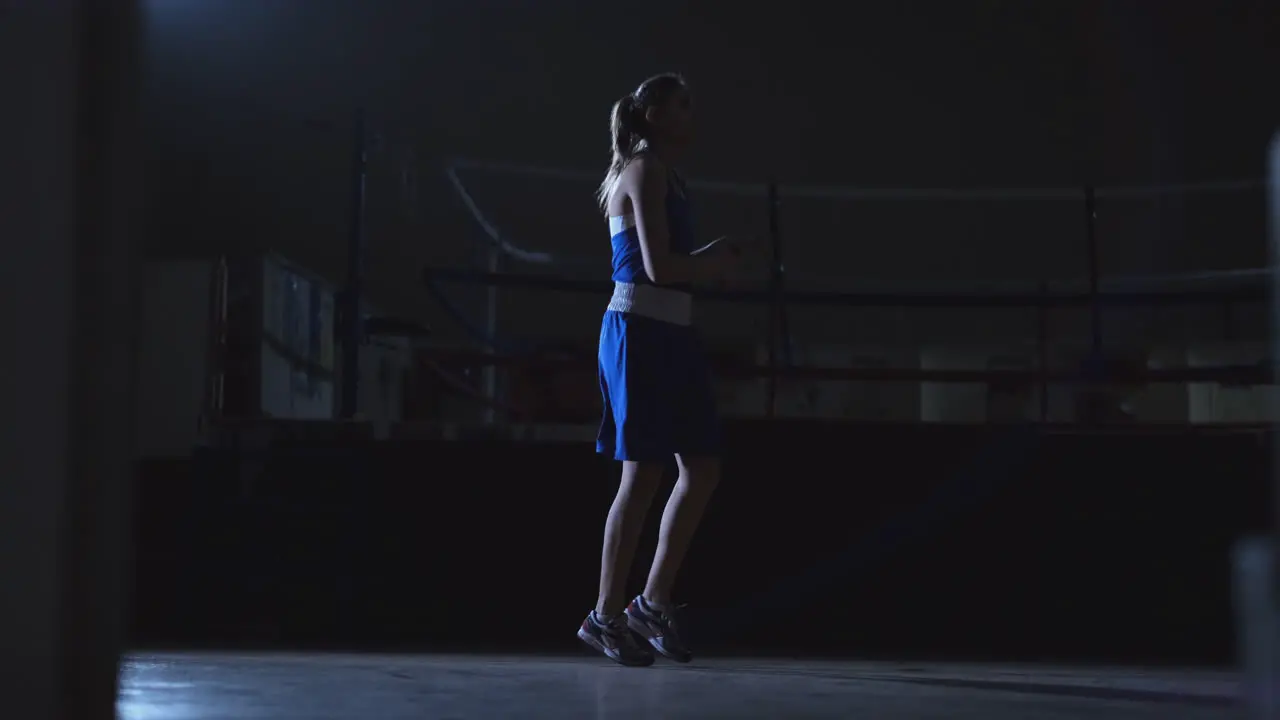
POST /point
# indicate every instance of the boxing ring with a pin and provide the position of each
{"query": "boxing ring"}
(514, 684)
(1092, 296)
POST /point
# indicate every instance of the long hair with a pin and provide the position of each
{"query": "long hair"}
(629, 129)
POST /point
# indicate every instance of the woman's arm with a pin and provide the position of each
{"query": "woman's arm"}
(746, 261)
(646, 181)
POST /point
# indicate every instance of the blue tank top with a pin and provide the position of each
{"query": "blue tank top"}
(628, 261)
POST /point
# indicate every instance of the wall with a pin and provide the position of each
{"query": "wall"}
(173, 356)
(1215, 403)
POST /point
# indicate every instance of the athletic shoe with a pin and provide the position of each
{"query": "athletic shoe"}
(615, 640)
(659, 627)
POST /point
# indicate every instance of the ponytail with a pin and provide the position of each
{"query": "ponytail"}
(624, 142)
(627, 127)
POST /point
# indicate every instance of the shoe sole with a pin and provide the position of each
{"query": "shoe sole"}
(594, 644)
(640, 628)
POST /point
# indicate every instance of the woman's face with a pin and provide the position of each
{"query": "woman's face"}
(674, 118)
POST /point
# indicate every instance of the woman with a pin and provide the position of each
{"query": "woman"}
(659, 400)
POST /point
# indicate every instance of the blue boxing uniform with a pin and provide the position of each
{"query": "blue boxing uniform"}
(658, 394)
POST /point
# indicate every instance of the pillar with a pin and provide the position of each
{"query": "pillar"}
(66, 194)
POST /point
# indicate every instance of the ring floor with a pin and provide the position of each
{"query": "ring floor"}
(209, 686)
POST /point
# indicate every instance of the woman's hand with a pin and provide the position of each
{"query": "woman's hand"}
(747, 260)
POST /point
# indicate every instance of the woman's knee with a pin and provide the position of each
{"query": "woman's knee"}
(699, 471)
(640, 479)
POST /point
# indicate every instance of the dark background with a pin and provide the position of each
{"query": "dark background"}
(976, 542)
(250, 106)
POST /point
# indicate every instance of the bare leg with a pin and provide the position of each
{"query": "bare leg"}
(622, 531)
(698, 479)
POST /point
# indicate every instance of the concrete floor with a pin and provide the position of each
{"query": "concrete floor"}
(194, 686)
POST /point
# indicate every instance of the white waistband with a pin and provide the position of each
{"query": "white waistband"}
(651, 301)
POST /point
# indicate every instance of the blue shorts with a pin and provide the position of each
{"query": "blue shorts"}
(659, 399)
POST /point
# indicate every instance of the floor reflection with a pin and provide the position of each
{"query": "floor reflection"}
(325, 687)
